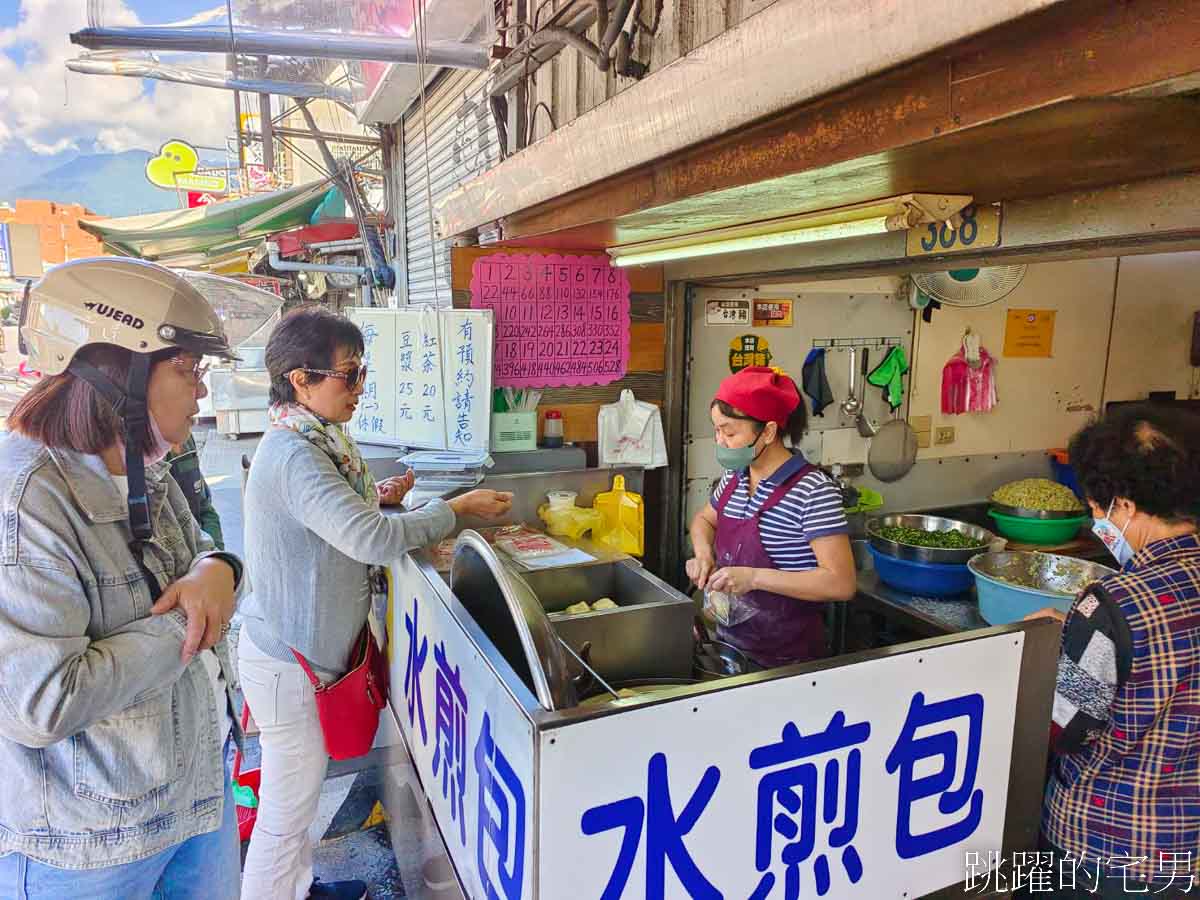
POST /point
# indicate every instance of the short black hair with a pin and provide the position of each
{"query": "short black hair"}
(793, 429)
(67, 413)
(308, 337)
(1146, 453)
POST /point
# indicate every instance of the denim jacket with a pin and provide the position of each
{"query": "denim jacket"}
(110, 747)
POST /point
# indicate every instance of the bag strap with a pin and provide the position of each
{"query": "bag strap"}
(316, 682)
(237, 756)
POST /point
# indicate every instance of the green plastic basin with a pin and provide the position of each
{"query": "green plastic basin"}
(1038, 531)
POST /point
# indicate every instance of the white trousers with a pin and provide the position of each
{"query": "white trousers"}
(279, 861)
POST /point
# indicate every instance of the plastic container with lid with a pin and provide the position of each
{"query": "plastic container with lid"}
(447, 468)
(552, 432)
(564, 518)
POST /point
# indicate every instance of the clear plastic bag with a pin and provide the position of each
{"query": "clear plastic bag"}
(728, 609)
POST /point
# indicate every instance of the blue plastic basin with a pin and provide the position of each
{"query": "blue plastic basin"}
(922, 579)
(1003, 601)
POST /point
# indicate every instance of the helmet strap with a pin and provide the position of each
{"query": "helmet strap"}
(129, 403)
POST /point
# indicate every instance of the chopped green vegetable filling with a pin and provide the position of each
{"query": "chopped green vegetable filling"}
(942, 540)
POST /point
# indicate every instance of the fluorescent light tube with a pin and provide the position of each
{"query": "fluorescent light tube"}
(812, 234)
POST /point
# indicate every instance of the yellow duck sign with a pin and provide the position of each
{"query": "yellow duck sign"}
(175, 169)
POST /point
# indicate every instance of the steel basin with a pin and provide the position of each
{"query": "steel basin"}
(923, 522)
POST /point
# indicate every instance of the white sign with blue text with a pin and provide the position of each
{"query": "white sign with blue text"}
(428, 379)
(471, 744)
(870, 780)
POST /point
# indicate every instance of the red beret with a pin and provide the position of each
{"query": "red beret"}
(763, 393)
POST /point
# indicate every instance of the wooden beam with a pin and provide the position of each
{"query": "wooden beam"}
(1076, 49)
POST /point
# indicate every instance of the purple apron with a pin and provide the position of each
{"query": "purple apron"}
(783, 630)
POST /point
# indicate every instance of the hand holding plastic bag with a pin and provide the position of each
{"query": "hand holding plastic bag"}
(728, 609)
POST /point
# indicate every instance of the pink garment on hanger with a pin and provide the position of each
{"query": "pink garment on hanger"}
(968, 389)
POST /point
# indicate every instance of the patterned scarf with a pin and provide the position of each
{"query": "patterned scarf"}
(333, 441)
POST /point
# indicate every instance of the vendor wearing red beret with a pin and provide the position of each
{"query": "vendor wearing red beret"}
(772, 546)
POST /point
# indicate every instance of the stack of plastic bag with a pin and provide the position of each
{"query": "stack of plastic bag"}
(631, 434)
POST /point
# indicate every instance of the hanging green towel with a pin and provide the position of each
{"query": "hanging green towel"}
(889, 375)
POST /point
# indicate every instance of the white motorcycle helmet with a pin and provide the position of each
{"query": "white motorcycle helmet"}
(128, 303)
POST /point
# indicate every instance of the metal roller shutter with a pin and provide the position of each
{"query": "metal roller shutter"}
(462, 142)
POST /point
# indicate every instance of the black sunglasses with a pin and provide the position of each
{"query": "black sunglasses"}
(354, 376)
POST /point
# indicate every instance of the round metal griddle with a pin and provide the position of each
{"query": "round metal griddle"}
(505, 607)
(893, 451)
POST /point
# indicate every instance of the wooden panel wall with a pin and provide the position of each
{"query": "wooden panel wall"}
(647, 357)
(570, 85)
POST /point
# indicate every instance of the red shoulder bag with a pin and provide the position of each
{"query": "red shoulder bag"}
(349, 707)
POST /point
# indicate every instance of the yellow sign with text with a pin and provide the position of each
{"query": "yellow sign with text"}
(1029, 333)
(175, 169)
(772, 313)
(748, 350)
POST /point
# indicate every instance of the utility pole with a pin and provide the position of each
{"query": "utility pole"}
(266, 126)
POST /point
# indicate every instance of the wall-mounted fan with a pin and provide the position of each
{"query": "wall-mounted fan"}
(970, 287)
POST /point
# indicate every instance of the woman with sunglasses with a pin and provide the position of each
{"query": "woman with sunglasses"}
(314, 531)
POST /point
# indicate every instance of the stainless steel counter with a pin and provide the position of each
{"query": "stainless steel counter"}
(927, 616)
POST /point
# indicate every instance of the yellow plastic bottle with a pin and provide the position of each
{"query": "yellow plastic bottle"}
(623, 514)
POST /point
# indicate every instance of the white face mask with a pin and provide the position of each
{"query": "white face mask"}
(1113, 537)
(157, 452)
(159, 447)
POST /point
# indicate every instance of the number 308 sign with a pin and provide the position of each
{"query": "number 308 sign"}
(978, 226)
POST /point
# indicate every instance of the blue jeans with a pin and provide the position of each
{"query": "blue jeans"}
(205, 867)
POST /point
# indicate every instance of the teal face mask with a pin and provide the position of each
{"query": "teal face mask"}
(735, 459)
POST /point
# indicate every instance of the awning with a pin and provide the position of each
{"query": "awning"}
(294, 242)
(200, 237)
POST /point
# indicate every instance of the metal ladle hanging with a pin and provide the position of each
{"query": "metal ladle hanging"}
(851, 406)
(866, 427)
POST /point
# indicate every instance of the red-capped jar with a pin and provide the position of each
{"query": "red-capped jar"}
(552, 432)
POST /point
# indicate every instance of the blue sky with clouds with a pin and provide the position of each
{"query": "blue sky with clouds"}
(46, 110)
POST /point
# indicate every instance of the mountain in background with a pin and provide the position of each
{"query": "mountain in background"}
(110, 184)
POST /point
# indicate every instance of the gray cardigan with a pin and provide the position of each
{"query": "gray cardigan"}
(309, 541)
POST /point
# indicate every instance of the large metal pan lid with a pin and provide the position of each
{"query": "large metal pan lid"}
(893, 451)
(505, 607)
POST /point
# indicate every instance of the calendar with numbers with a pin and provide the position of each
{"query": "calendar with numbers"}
(559, 320)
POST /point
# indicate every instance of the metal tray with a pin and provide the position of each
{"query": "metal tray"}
(1022, 512)
(939, 555)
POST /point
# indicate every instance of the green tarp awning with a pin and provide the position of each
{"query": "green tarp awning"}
(191, 236)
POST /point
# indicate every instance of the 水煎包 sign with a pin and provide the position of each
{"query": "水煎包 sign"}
(868, 780)
(471, 743)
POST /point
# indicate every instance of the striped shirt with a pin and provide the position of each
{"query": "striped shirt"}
(812, 509)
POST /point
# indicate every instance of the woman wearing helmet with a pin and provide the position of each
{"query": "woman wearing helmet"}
(114, 711)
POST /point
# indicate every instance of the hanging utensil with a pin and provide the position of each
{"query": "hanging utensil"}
(893, 451)
(866, 427)
(851, 405)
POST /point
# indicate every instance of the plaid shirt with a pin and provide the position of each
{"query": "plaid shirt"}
(1127, 792)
